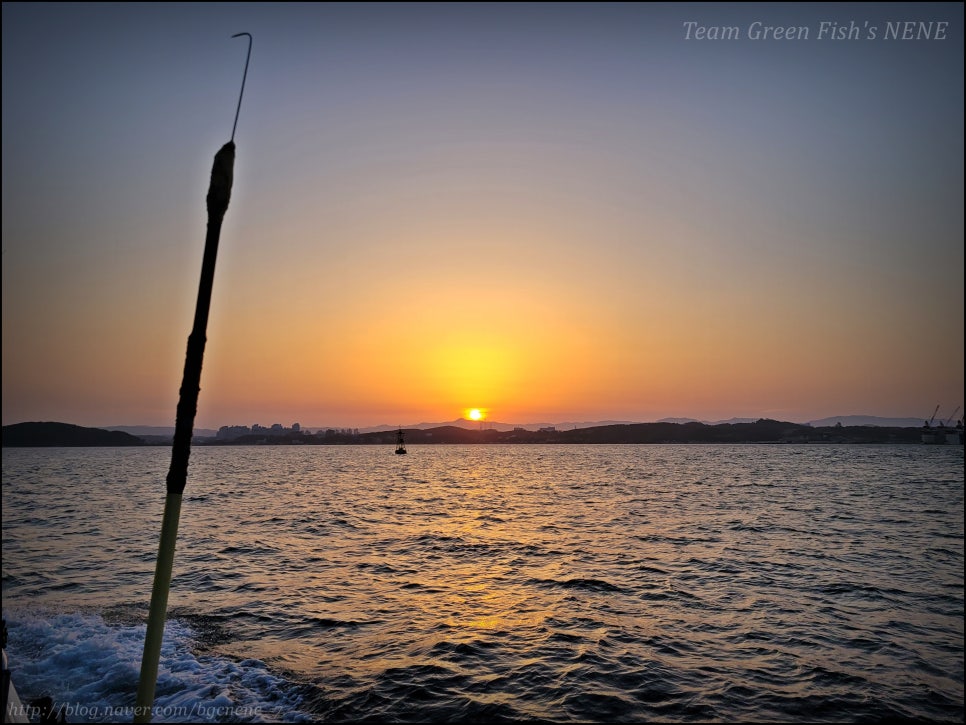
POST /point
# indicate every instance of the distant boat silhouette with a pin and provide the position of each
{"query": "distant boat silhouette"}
(400, 443)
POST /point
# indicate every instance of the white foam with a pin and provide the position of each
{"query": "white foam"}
(91, 668)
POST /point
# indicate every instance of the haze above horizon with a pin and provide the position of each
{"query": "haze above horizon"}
(545, 212)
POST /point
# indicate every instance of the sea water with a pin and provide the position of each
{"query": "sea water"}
(494, 583)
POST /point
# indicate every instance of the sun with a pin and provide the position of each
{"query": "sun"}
(475, 414)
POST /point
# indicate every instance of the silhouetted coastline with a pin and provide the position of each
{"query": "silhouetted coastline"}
(64, 435)
(761, 431)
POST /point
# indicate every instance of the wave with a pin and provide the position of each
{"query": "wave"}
(581, 583)
(89, 667)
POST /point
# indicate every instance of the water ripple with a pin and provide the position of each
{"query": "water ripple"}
(498, 583)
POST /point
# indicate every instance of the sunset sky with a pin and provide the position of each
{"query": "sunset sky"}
(548, 212)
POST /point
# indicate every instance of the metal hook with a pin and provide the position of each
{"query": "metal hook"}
(242, 92)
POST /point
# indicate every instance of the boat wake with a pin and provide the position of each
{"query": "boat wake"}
(89, 668)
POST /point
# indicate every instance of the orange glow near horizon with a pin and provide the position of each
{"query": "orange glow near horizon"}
(532, 357)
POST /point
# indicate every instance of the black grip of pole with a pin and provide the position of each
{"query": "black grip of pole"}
(222, 173)
(219, 194)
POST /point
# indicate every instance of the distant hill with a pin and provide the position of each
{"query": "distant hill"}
(64, 434)
(866, 420)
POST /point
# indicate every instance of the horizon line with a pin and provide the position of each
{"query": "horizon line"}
(484, 423)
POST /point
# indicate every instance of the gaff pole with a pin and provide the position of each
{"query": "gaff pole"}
(219, 193)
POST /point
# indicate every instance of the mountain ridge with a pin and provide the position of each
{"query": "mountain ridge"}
(462, 430)
(157, 434)
(852, 420)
